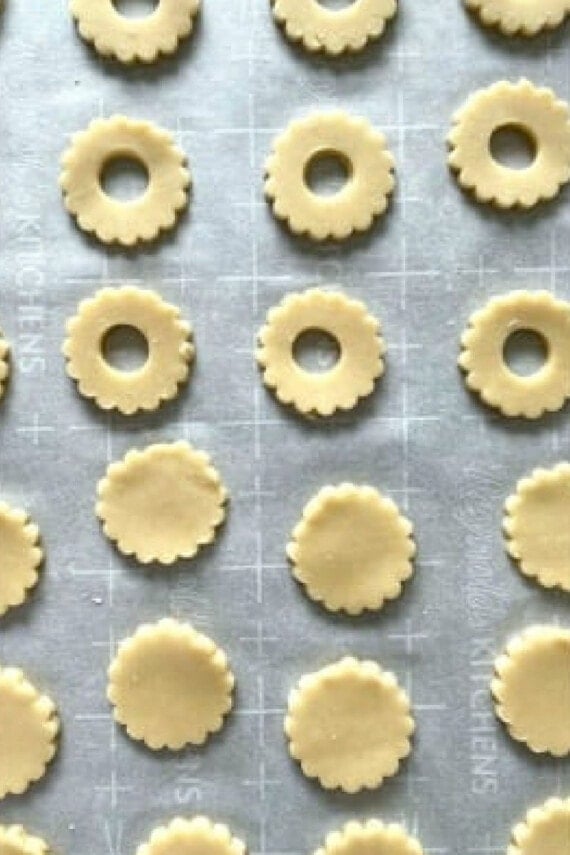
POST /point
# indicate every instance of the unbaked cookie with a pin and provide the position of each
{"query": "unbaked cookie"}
(532, 689)
(352, 550)
(349, 725)
(369, 165)
(537, 528)
(513, 17)
(483, 359)
(370, 838)
(170, 685)
(196, 836)
(359, 339)
(537, 113)
(162, 503)
(544, 831)
(20, 556)
(134, 39)
(15, 840)
(4, 363)
(111, 220)
(168, 338)
(28, 729)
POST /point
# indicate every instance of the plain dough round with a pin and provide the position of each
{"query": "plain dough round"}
(196, 836)
(20, 556)
(15, 840)
(544, 831)
(349, 725)
(333, 31)
(170, 685)
(365, 194)
(170, 349)
(134, 39)
(361, 346)
(28, 729)
(4, 364)
(111, 220)
(537, 112)
(537, 528)
(370, 838)
(532, 690)
(514, 17)
(162, 503)
(483, 361)
(352, 549)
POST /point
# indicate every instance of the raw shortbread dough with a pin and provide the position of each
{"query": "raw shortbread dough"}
(536, 112)
(537, 526)
(352, 549)
(349, 725)
(544, 831)
(365, 195)
(162, 503)
(196, 836)
(170, 349)
(483, 360)
(15, 840)
(4, 362)
(359, 338)
(333, 31)
(28, 729)
(520, 17)
(370, 838)
(111, 220)
(170, 685)
(20, 556)
(134, 39)
(532, 689)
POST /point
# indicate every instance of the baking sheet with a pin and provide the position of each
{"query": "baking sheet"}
(433, 260)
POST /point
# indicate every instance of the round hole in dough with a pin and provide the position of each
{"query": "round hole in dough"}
(326, 173)
(196, 836)
(125, 348)
(513, 146)
(124, 178)
(316, 350)
(20, 556)
(135, 8)
(370, 838)
(544, 831)
(513, 17)
(15, 840)
(525, 352)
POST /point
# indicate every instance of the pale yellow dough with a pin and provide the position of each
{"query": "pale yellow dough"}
(15, 840)
(520, 17)
(28, 729)
(352, 549)
(111, 220)
(537, 526)
(532, 689)
(20, 556)
(361, 346)
(333, 31)
(483, 361)
(170, 349)
(4, 363)
(544, 831)
(196, 836)
(134, 39)
(170, 685)
(370, 838)
(349, 725)
(364, 196)
(535, 111)
(162, 503)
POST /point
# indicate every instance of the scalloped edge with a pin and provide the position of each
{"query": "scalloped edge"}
(534, 817)
(16, 837)
(398, 841)
(512, 26)
(21, 522)
(216, 832)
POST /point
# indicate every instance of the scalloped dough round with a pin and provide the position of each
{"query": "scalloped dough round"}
(540, 115)
(349, 725)
(162, 503)
(545, 830)
(513, 17)
(15, 840)
(170, 686)
(532, 689)
(370, 838)
(20, 556)
(352, 549)
(4, 364)
(196, 836)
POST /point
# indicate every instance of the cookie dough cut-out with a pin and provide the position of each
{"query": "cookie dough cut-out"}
(483, 358)
(513, 17)
(28, 731)
(168, 339)
(162, 503)
(134, 39)
(368, 164)
(113, 221)
(352, 549)
(197, 836)
(536, 526)
(349, 725)
(545, 829)
(359, 340)
(373, 836)
(535, 113)
(333, 31)
(170, 685)
(532, 690)
(20, 557)
(14, 840)
(4, 364)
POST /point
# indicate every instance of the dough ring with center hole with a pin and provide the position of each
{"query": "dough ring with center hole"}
(545, 829)
(28, 729)
(15, 840)
(532, 690)
(20, 556)
(364, 196)
(361, 350)
(373, 836)
(535, 112)
(349, 725)
(170, 686)
(512, 17)
(168, 338)
(483, 361)
(536, 526)
(333, 31)
(352, 549)
(134, 39)
(196, 836)
(4, 363)
(111, 220)
(162, 503)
